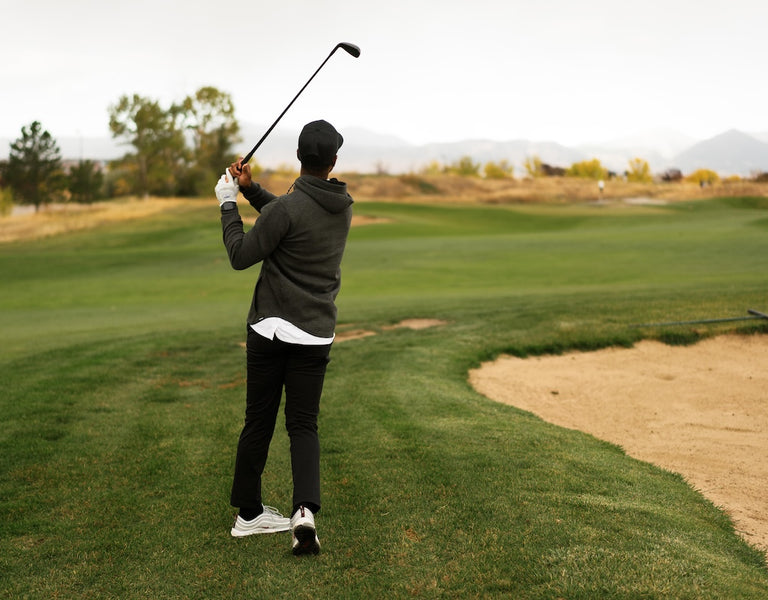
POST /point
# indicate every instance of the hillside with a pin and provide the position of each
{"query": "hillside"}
(730, 152)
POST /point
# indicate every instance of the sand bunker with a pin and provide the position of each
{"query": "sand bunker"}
(701, 411)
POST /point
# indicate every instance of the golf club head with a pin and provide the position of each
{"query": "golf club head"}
(349, 48)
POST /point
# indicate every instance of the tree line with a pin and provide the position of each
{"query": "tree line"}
(172, 151)
(179, 150)
(638, 171)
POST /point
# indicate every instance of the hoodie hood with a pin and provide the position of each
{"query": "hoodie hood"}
(331, 194)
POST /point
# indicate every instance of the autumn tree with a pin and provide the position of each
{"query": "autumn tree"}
(498, 170)
(534, 167)
(465, 167)
(33, 171)
(703, 177)
(639, 171)
(587, 169)
(433, 168)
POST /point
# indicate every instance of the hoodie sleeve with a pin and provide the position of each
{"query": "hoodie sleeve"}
(247, 249)
(257, 196)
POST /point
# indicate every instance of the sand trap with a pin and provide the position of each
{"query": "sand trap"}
(701, 411)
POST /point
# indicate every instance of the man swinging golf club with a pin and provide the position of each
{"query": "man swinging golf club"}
(299, 238)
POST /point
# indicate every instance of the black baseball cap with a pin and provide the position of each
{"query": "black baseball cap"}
(318, 144)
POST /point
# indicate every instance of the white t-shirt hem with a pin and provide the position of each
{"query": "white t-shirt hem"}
(275, 327)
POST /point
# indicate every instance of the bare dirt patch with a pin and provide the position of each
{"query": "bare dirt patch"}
(416, 324)
(700, 411)
(352, 334)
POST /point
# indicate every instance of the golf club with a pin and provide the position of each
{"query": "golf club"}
(347, 47)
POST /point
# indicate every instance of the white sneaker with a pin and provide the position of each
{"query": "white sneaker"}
(303, 533)
(269, 521)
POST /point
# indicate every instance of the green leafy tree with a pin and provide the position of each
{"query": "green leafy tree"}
(498, 170)
(86, 182)
(587, 169)
(210, 116)
(639, 171)
(157, 138)
(534, 167)
(34, 171)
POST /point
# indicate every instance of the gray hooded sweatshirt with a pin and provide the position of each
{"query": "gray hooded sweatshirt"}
(299, 238)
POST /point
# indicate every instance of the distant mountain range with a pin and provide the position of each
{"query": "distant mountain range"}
(730, 153)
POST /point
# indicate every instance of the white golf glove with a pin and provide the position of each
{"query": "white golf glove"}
(226, 188)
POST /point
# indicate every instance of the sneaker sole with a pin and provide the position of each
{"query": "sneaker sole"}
(307, 541)
(240, 533)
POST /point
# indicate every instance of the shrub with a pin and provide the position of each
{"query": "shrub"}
(671, 175)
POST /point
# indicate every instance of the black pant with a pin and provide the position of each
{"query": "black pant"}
(272, 365)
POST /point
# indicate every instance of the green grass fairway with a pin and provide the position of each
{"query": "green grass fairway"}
(122, 396)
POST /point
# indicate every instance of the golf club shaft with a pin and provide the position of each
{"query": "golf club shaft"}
(248, 156)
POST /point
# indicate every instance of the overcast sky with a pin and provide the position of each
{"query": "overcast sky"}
(430, 70)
